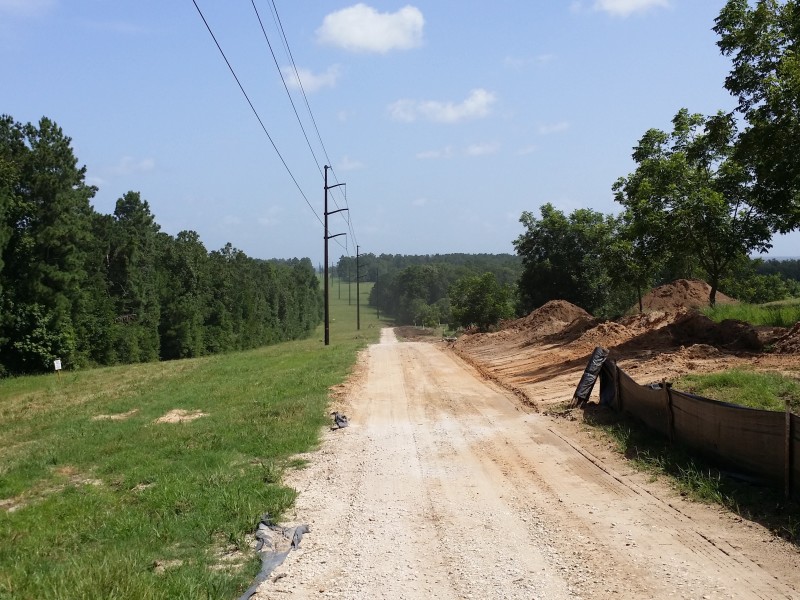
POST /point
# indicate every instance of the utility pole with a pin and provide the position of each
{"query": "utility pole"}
(358, 294)
(327, 237)
(377, 294)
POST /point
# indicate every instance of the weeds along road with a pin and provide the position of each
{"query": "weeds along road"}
(444, 487)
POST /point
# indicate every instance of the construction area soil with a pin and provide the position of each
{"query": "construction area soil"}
(453, 481)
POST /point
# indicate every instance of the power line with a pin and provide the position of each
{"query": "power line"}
(279, 24)
(255, 112)
(285, 86)
(261, 122)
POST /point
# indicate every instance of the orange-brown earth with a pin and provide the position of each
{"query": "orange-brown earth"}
(446, 485)
(541, 354)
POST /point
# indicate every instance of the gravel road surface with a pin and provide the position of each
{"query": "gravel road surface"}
(446, 486)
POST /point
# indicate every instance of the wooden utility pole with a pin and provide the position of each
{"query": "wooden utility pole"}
(327, 237)
(358, 294)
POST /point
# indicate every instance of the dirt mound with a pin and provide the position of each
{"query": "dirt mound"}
(550, 318)
(789, 343)
(607, 334)
(650, 320)
(680, 294)
(695, 328)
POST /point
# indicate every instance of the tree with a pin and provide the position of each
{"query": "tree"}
(564, 258)
(132, 263)
(46, 254)
(746, 284)
(184, 296)
(764, 43)
(690, 196)
(480, 300)
(9, 175)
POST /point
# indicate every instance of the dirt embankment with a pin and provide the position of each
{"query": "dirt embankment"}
(539, 353)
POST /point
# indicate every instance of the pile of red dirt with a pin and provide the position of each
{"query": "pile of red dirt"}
(789, 343)
(680, 294)
(607, 334)
(695, 328)
(550, 318)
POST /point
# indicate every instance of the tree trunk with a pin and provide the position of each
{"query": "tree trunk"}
(639, 294)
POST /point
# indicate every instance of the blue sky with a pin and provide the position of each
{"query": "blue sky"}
(446, 120)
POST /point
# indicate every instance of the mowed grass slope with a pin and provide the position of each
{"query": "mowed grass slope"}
(126, 507)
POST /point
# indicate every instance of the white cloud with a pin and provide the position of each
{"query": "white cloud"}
(624, 8)
(349, 164)
(477, 105)
(312, 82)
(549, 128)
(361, 28)
(527, 150)
(26, 8)
(419, 202)
(403, 110)
(483, 149)
(446, 152)
(128, 165)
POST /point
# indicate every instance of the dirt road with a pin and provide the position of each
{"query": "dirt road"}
(445, 486)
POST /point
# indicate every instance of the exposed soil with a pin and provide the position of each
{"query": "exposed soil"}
(116, 416)
(180, 415)
(789, 343)
(680, 294)
(447, 486)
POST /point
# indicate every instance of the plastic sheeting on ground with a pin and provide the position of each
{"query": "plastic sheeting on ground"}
(273, 545)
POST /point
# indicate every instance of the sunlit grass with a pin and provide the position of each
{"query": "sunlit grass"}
(767, 391)
(774, 314)
(131, 508)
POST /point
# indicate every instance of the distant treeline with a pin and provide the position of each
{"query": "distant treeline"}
(574, 258)
(416, 288)
(787, 267)
(90, 288)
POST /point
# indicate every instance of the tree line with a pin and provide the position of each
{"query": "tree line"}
(705, 196)
(427, 290)
(97, 289)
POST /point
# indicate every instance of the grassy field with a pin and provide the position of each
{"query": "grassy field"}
(767, 391)
(99, 500)
(776, 314)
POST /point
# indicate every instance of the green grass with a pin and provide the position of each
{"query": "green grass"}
(131, 508)
(767, 391)
(775, 314)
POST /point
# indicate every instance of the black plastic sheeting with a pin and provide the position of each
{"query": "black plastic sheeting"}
(589, 377)
(339, 420)
(271, 547)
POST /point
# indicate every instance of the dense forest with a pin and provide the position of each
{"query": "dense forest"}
(96, 289)
(424, 289)
(705, 196)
